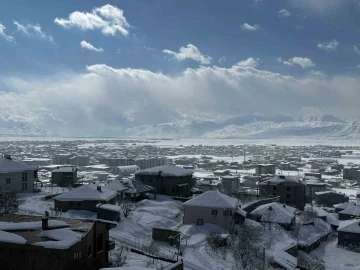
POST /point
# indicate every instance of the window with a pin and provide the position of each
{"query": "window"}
(99, 242)
(24, 186)
(214, 212)
(79, 204)
(8, 180)
(288, 195)
(35, 174)
(200, 222)
(274, 188)
(77, 256)
(24, 177)
(288, 189)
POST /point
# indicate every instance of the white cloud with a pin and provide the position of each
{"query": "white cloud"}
(108, 19)
(329, 46)
(249, 27)
(248, 63)
(2, 34)
(89, 46)
(284, 13)
(356, 49)
(320, 7)
(279, 60)
(317, 73)
(189, 52)
(88, 102)
(222, 60)
(33, 30)
(303, 62)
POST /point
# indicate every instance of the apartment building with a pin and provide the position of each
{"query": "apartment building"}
(265, 169)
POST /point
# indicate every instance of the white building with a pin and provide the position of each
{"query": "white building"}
(17, 176)
(126, 170)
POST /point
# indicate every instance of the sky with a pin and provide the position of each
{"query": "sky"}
(98, 67)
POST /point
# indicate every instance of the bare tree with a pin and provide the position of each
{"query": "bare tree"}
(309, 262)
(119, 256)
(246, 251)
(308, 215)
(9, 200)
(268, 218)
(214, 240)
(126, 206)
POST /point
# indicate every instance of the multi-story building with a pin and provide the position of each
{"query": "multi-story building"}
(290, 190)
(265, 169)
(351, 173)
(61, 159)
(230, 184)
(17, 176)
(79, 160)
(312, 186)
(329, 198)
(64, 176)
(34, 242)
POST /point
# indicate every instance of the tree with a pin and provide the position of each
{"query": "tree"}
(214, 240)
(9, 200)
(245, 249)
(126, 206)
(308, 215)
(119, 256)
(309, 261)
(268, 218)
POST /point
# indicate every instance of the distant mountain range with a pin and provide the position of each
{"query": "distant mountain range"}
(255, 127)
(242, 127)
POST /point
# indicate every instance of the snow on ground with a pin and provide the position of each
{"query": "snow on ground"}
(34, 203)
(309, 234)
(337, 258)
(196, 235)
(347, 192)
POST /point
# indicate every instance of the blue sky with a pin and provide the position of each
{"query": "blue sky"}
(303, 50)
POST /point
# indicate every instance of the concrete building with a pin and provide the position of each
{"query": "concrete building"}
(38, 161)
(312, 186)
(351, 173)
(64, 176)
(17, 176)
(61, 159)
(290, 190)
(329, 198)
(168, 180)
(126, 170)
(33, 242)
(349, 233)
(265, 169)
(85, 197)
(79, 160)
(211, 207)
(230, 184)
(145, 163)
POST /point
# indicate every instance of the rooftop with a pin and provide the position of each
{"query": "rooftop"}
(87, 193)
(8, 165)
(281, 179)
(167, 170)
(352, 226)
(65, 169)
(213, 198)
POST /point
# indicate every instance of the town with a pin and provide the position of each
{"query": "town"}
(157, 204)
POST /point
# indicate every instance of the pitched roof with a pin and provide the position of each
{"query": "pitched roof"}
(167, 170)
(281, 179)
(275, 212)
(345, 205)
(353, 210)
(8, 165)
(352, 226)
(87, 193)
(212, 198)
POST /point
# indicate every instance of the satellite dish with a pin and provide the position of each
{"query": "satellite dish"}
(47, 214)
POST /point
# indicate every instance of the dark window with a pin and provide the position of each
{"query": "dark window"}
(288, 189)
(77, 256)
(35, 174)
(274, 188)
(214, 212)
(8, 180)
(24, 177)
(200, 222)
(99, 242)
(24, 186)
(288, 195)
(79, 204)
(71, 204)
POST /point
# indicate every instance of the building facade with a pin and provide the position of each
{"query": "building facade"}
(265, 169)
(230, 184)
(329, 198)
(64, 176)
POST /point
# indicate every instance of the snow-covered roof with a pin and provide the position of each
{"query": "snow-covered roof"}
(352, 226)
(345, 205)
(326, 192)
(213, 198)
(353, 210)
(87, 193)
(110, 207)
(285, 260)
(11, 238)
(167, 170)
(275, 212)
(281, 179)
(129, 168)
(65, 169)
(31, 225)
(7, 165)
(116, 185)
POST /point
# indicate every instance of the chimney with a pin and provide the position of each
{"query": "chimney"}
(98, 188)
(45, 223)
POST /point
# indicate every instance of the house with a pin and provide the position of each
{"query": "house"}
(261, 169)
(329, 198)
(312, 174)
(42, 243)
(230, 184)
(168, 180)
(131, 189)
(108, 212)
(275, 212)
(349, 213)
(64, 176)
(343, 206)
(349, 233)
(290, 190)
(351, 173)
(211, 207)
(84, 198)
(126, 170)
(17, 176)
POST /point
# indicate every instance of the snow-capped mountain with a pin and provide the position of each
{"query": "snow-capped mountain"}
(16, 127)
(255, 126)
